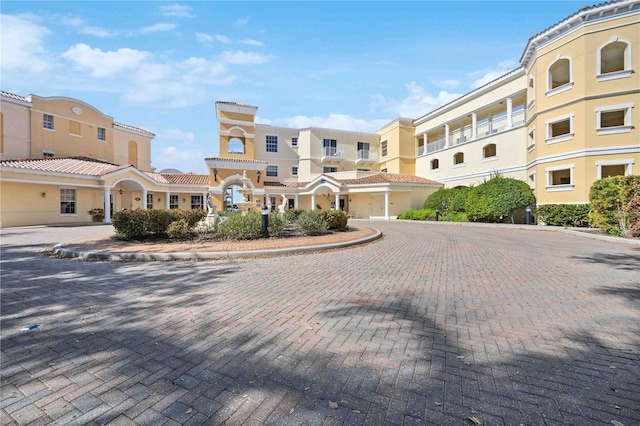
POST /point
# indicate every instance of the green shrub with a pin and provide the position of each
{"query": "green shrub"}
(576, 215)
(498, 199)
(129, 225)
(276, 225)
(413, 214)
(291, 215)
(144, 224)
(457, 202)
(179, 229)
(310, 223)
(455, 217)
(614, 202)
(334, 219)
(237, 226)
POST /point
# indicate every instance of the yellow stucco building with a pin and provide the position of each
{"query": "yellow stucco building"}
(563, 119)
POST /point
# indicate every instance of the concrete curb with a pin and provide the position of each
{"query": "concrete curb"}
(59, 250)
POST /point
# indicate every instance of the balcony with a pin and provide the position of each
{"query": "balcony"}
(364, 156)
(331, 155)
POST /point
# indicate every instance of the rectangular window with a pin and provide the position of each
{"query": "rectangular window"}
(174, 201)
(614, 119)
(101, 134)
(67, 201)
(531, 140)
(272, 171)
(294, 170)
(559, 129)
(329, 147)
(197, 202)
(149, 201)
(363, 169)
(47, 121)
(383, 148)
(294, 141)
(329, 169)
(48, 154)
(560, 178)
(272, 143)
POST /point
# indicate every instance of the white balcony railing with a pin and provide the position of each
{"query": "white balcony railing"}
(364, 155)
(332, 153)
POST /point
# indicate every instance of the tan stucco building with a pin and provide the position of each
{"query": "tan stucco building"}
(563, 119)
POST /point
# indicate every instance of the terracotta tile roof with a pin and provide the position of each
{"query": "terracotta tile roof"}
(235, 160)
(12, 96)
(158, 177)
(186, 178)
(71, 165)
(388, 178)
(286, 184)
(134, 129)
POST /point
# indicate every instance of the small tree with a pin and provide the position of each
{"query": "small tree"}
(498, 199)
(614, 205)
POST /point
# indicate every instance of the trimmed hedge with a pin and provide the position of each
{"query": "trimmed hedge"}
(334, 219)
(144, 224)
(498, 199)
(615, 203)
(423, 214)
(573, 215)
(309, 222)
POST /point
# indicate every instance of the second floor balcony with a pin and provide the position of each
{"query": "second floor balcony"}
(364, 156)
(331, 154)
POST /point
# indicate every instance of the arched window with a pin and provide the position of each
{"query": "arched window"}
(133, 153)
(489, 150)
(559, 74)
(435, 164)
(458, 158)
(614, 60)
(236, 146)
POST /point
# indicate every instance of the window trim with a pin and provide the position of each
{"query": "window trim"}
(294, 141)
(294, 173)
(431, 164)
(562, 187)
(561, 138)
(491, 157)
(267, 143)
(460, 164)
(626, 128)
(75, 201)
(104, 134)
(564, 87)
(271, 166)
(200, 205)
(177, 204)
(45, 121)
(531, 137)
(384, 148)
(614, 75)
(48, 153)
(625, 162)
(149, 205)
(531, 177)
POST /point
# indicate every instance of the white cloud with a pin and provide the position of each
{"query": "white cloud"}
(242, 21)
(447, 84)
(177, 10)
(84, 28)
(22, 46)
(177, 136)
(416, 104)
(332, 121)
(251, 42)
(222, 39)
(105, 64)
(484, 76)
(177, 157)
(241, 57)
(204, 38)
(157, 28)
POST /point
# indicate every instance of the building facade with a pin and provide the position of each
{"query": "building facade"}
(565, 118)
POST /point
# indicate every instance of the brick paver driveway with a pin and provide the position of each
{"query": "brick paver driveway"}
(434, 324)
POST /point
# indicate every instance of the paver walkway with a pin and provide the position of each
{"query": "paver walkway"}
(433, 324)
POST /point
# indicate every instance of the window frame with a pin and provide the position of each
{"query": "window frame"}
(627, 66)
(101, 131)
(628, 117)
(560, 138)
(174, 201)
(294, 170)
(269, 172)
(271, 143)
(48, 122)
(294, 141)
(149, 201)
(48, 154)
(531, 139)
(384, 149)
(628, 163)
(564, 87)
(332, 169)
(69, 204)
(489, 157)
(550, 187)
(437, 162)
(457, 163)
(199, 205)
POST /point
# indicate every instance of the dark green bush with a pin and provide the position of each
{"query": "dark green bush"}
(498, 199)
(179, 230)
(455, 217)
(334, 219)
(575, 215)
(237, 226)
(458, 200)
(413, 214)
(310, 223)
(614, 202)
(144, 224)
(291, 215)
(276, 224)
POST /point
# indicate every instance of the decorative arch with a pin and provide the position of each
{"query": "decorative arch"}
(489, 150)
(435, 164)
(237, 141)
(559, 74)
(614, 56)
(458, 158)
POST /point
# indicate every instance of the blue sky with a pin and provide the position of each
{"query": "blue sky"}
(349, 65)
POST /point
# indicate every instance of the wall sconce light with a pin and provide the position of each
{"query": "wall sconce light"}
(215, 174)
(184, 200)
(258, 173)
(138, 198)
(158, 199)
(44, 194)
(120, 192)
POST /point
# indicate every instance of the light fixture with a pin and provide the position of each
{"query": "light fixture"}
(258, 173)
(44, 194)
(215, 174)
(184, 200)
(120, 192)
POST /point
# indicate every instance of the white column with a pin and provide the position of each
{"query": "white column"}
(386, 205)
(295, 201)
(267, 201)
(446, 134)
(313, 201)
(144, 199)
(474, 126)
(337, 201)
(166, 201)
(106, 195)
(509, 113)
(490, 123)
